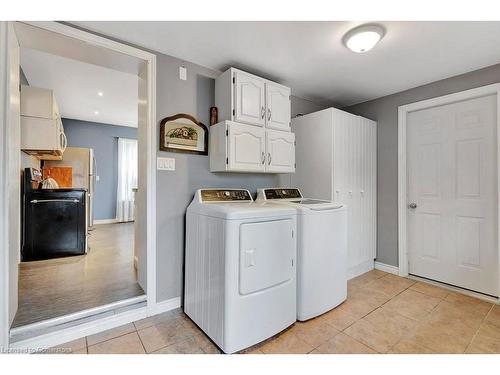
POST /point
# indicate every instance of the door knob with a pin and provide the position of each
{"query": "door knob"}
(412, 205)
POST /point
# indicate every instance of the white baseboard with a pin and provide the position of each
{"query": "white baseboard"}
(387, 268)
(167, 305)
(72, 333)
(105, 221)
(360, 269)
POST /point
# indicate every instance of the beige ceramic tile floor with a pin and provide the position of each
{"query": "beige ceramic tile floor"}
(383, 314)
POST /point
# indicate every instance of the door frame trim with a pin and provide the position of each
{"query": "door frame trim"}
(150, 228)
(403, 111)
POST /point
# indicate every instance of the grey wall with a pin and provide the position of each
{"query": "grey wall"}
(385, 112)
(304, 106)
(103, 138)
(22, 77)
(176, 189)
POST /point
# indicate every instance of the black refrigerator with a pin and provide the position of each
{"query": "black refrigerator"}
(54, 220)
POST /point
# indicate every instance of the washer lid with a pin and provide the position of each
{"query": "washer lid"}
(315, 204)
(243, 210)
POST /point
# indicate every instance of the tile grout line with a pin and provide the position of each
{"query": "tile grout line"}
(419, 322)
(140, 339)
(480, 325)
(343, 331)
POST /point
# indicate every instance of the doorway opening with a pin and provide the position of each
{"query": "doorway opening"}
(86, 198)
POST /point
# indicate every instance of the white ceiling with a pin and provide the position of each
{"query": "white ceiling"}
(77, 83)
(310, 58)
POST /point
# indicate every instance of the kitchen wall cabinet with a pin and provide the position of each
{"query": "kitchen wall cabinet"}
(42, 131)
(336, 156)
(236, 147)
(249, 99)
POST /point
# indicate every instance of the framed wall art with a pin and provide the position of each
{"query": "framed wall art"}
(183, 133)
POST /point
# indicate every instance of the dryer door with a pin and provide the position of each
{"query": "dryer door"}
(267, 255)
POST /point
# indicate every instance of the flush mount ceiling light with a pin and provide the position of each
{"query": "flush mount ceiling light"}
(96, 112)
(363, 38)
(100, 93)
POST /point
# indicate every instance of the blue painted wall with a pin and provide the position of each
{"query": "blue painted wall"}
(103, 138)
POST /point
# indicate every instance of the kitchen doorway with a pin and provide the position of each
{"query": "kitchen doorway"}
(68, 289)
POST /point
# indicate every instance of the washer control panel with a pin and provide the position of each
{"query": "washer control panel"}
(225, 195)
(282, 193)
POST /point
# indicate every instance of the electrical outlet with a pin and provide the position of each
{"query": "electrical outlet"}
(165, 164)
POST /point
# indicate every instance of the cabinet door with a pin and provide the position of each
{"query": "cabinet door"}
(249, 99)
(278, 107)
(280, 151)
(246, 148)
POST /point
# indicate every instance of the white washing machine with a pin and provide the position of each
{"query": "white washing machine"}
(321, 250)
(240, 277)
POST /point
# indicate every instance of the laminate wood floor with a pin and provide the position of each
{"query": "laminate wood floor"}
(57, 287)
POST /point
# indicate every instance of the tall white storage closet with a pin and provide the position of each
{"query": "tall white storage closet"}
(336, 156)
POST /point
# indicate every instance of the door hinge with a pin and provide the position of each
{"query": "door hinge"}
(227, 160)
(295, 143)
(295, 165)
(292, 233)
(227, 132)
(292, 262)
(234, 112)
(234, 80)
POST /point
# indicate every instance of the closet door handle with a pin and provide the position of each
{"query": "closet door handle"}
(262, 113)
(263, 157)
(268, 114)
(269, 158)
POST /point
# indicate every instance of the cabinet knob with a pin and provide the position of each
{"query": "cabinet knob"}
(268, 114)
(262, 112)
(412, 205)
(263, 157)
(269, 159)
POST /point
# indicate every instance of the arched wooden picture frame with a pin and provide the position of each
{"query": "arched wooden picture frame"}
(183, 133)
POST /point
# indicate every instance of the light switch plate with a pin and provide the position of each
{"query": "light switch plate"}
(165, 164)
(183, 73)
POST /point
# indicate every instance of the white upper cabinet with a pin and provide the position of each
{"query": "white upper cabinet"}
(249, 99)
(246, 98)
(278, 107)
(254, 132)
(236, 147)
(42, 131)
(246, 148)
(280, 148)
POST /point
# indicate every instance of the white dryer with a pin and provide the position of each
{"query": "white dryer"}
(240, 283)
(321, 250)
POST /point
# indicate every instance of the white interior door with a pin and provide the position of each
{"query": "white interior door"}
(280, 151)
(452, 194)
(247, 147)
(249, 99)
(278, 107)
